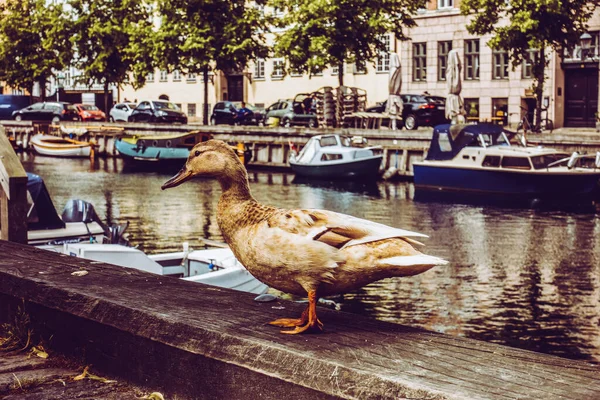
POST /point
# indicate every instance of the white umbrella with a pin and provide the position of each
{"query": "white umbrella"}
(455, 110)
(394, 103)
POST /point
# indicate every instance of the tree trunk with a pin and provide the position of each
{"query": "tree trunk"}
(540, 77)
(106, 109)
(341, 73)
(43, 88)
(205, 105)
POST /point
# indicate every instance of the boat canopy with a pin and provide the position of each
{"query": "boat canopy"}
(41, 214)
(448, 140)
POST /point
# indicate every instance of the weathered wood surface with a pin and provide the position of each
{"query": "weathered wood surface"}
(13, 194)
(23, 376)
(200, 342)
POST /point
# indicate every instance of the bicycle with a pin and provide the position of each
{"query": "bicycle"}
(546, 124)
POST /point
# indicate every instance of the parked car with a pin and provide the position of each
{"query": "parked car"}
(89, 112)
(47, 111)
(121, 112)
(157, 111)
(292, 112)
(225, 112)
(418, 110)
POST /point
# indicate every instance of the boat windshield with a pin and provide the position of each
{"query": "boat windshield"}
(308, 152)
(540, 162)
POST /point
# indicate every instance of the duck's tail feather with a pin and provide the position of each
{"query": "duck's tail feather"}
(409, 261)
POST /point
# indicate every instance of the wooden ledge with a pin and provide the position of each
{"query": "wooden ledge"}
(197, 341)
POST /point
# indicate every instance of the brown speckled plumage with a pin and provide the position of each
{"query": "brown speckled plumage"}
(301, 251)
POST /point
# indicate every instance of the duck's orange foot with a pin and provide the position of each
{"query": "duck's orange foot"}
(288, 322)
(310, 327)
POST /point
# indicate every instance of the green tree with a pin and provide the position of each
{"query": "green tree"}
(34, 43)
(321, 33)
(518, 26)
(200, 36)
(112, 40)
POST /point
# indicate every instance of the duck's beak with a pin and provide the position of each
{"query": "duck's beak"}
(183, 175)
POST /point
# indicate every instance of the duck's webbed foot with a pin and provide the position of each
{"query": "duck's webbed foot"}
(292, 322)
(308, 321)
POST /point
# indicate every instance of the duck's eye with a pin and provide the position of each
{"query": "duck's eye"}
(197, 153)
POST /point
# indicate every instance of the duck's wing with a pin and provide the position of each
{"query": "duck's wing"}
(337, 230)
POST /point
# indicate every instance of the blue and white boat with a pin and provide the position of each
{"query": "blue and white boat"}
(337, 157)
(159, 148)
(481, 158)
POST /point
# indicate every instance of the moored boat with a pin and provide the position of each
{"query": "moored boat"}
(337, 157)
(481, 159)
(211, 266)
(61, 147)
(159, 148)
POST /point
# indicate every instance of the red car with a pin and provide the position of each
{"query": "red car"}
(89, 112)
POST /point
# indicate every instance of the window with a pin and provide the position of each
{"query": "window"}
(191, 111)
(500, 111)
(472, 109)
(278, 69)
(445, 4)
(419, 62)
(359, 68)
(383, 60)
(331, 157)
(176, 76)
(500, 64)
(150, 77)
(443, 50)
(491, 161)
(471, 59)
(191, 78)
(335, 69)
(527, 65)
(163, 76)
(516, 162)
(259, 69)
(295, 72)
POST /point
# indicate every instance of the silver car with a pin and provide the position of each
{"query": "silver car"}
(121, 111)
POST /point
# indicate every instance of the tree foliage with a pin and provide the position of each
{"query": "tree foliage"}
(521, 25)
(321, 33)
(113, 39)
(34, 42)
(200, 36)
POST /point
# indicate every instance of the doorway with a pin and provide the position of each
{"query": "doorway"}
(581, 97)
(235, 87)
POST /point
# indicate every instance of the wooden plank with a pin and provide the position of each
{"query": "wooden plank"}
(13, 199)
(180, 324)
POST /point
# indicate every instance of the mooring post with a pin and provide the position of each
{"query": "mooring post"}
(13, 194)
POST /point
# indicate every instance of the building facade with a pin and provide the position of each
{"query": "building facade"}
(492, 89)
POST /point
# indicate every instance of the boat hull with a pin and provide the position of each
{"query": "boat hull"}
(528, 184)
(363, 168)
(58, 147)
(150, 153)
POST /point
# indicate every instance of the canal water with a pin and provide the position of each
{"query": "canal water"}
(521, 277)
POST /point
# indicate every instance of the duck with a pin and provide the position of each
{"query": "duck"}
(305, 252)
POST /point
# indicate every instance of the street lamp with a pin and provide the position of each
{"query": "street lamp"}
(585, 41)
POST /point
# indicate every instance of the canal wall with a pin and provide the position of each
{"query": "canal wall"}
(271, 145)
(193, 341)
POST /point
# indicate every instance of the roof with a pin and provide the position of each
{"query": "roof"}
(448, 140)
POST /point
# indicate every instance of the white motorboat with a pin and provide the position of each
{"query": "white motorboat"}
(216, 266)
(337, 156)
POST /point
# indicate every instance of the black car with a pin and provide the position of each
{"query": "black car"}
(158, 111)
(418, 110)
(225, 112)
(47, 111)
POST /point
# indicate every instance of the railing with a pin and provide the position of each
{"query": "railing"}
(13, 194)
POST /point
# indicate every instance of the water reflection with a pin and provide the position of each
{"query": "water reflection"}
(526, 278)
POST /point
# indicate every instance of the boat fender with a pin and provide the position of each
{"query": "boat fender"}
(572, 160)
(168, 144)
(598, 159)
